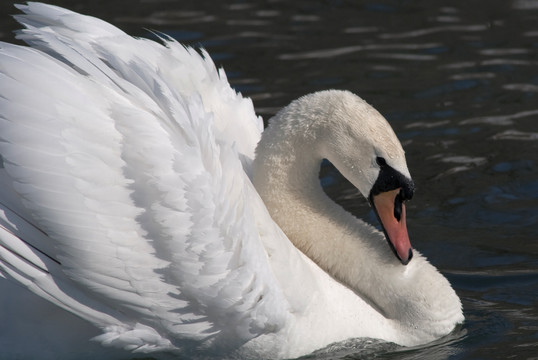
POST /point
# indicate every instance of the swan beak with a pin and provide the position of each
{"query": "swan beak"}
(390, 210)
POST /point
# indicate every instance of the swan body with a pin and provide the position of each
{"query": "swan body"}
(142, 209)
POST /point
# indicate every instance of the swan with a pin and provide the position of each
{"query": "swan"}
(145, 211)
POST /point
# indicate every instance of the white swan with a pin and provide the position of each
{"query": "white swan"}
(127, 200)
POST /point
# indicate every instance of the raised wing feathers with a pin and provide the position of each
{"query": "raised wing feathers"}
(127, 169)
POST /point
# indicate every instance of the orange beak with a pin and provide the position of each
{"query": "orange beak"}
(390, 210)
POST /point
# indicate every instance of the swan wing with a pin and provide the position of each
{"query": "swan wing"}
(126, 198)
(190, 72)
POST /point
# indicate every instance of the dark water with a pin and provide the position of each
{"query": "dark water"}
(458, 81)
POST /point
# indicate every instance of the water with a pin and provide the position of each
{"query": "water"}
(458, 83)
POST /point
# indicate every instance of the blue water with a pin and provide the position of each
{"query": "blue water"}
(458, 81)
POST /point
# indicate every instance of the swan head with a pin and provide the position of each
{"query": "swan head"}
(359, 142)
(365, 149)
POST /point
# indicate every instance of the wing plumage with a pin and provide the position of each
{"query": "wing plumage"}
(127, 199)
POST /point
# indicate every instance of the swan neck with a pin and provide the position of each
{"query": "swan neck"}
(286, 176)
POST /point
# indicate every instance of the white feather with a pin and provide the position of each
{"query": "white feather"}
(125, 174)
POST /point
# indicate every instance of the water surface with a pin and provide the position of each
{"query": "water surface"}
(458, 81)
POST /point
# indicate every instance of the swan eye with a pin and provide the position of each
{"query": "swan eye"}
(380, 161)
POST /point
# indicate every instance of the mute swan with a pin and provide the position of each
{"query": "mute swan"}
(134, 197)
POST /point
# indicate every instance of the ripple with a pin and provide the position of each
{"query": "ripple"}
(507, 62)
(305, 18)
(516, 135)
(502, 120)
(469, 76)
(240, 6)
(460, 65)
(447, 19)
(422, 32)
(462, 162)
(427, 125)
(267, 13)
(354, 349)
(361, 30)
(467, 160)
(323, 53)
(530, 33)
(503, 51)
(402, 56)
(525, 4)
(345, 50)
(521, 87)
